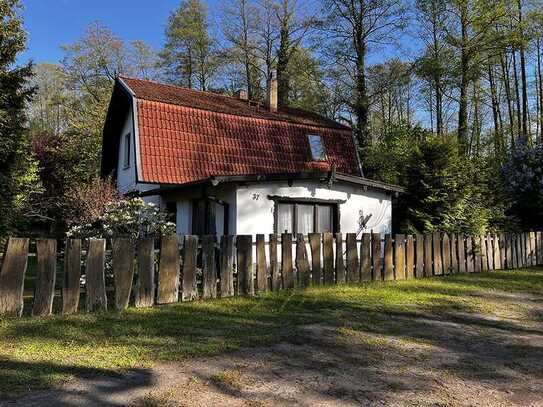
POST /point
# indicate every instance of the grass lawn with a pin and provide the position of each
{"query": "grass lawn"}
(37, 353)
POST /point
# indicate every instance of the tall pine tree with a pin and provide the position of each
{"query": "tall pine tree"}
(16, 167)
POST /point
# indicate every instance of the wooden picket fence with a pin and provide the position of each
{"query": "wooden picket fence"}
(148, 272)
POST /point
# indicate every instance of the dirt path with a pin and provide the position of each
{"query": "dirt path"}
(423, 360)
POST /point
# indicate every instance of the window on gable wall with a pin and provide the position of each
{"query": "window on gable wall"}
(317, 147)
(127, 150)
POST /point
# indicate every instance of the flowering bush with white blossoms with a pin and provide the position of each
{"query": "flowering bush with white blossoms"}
(131, 218)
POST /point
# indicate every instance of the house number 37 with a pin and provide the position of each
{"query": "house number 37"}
(256, 197)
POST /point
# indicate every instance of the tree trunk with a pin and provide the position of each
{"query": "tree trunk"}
(525, 129)
(507, 86)
(495, 109)
(283, 85)
(464, 83)
(540, 90)
(517, 95)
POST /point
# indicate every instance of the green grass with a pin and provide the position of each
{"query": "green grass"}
(39, 353)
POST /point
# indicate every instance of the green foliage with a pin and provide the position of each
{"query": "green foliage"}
(17, 167)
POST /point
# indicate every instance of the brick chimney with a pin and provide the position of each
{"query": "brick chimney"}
(242, 94)
(272, 93)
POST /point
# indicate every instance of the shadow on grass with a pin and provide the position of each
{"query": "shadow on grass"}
(436, 312)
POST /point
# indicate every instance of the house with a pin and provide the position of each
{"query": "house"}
(228, 165)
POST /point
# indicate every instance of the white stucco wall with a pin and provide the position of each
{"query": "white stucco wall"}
(126, 177)
(255, 211)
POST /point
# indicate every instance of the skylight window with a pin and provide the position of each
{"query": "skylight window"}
(317, 147)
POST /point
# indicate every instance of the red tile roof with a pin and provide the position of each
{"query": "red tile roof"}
(187, 136)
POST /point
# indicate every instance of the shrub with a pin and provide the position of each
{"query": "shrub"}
(131, 218)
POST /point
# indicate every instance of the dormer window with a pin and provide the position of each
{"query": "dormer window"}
(317, 147)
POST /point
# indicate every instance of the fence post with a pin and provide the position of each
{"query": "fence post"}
(484, 253)
(244, 245)
(190, 256)
(470, 255)
(353, 273)
(539, 243)
(145, 287)
(428, 255)
(399, 257)
(509, 242)
(446, 245)
(286, 261)
(302, 261)
(95, 276)
(438, 265)
(533, 249)
(315, 240)
(461, 245)
(340, 263)
(46, 269)
(419, 246)
(454, 253)
(328, 257)
(168, 270)
(123, 253)
(12, 276)
(72, 276)
(477, 247)
(376, 256)
(209, 269)
(261, 264)
(227, 266)
(490, 252)
(365, 257)
(389, 266)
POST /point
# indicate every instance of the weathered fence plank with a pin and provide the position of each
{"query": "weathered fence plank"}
(438, 260)
(261, 265)
(315, 244)
(497, 252)
(328, 258)
(461, 249)
(72, 276)
(286, 261)
(389, 259)
(399, 257)
(419, 246)
(245, 262)
(428, 256)
(275, 272)
(533, 255)
(478, 253)
(189, 290)
(302, 261)
(353, 269)
(340, 261)
(123, 254)
(538, 248)
(409, 257)
(376, 256)
(484, 253)
(209, 267)
(46, 270)
(12, 276)
(470, 255)
(520, 250)
(227, 265)
(365, 257)
(145, 286)
(95, 279)
(168, 270)
(446, 250)
(490, 251)
(508, 251)
(454, 253)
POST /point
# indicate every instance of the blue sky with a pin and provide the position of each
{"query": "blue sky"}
(50, 23)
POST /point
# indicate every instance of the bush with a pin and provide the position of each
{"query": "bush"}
(131, 218)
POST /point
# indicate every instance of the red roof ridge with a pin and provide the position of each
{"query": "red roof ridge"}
(196, 91)
(284, 114)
